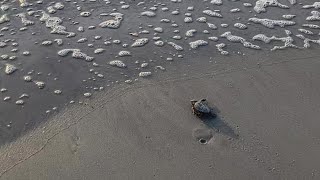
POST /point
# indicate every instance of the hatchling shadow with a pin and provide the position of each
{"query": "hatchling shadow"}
(216, 122)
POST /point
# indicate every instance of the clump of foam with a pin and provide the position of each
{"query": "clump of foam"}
(55, 24)
(238, 39)
(23, 3)
(51, 10)
(158, 29)
(198, 43)
(211, 13)
(58, 6)
(140, 42)
(288, 16)
(271, 23)
(261, 5)
(305, 31)
(113, 23)
(220, 48)
(201, 19)
(10, 69)
(117, 63)
(292, 1)
(58, 41)
(82, 40)
(307, 41)
(27, 78)
(124, 53)
(191, 32)
(312, 26)
(24, 19)
(19, 102)
(46, 43)
(148, 14)
(188, 20)
(247, 4)
(176, 46)
(235, 10)
(240, 26)
(315, 5)
(99, 51)
(213, 38)
(85, 14)
(216, 2)
(145, 74)
(4, 18)
(159, 43)
(87, 95)
(212, 26)
(76, 53)
(144, 65)
(315, 16)
(288, 41)
(40, 84)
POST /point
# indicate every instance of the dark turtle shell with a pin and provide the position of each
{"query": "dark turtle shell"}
(202, 106)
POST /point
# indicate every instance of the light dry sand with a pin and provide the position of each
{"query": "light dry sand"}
(267, 128)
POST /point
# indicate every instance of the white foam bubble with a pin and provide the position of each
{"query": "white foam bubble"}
(27, 78)
(312, 26)
(191, 32)
(159, 43)
(87, 95)
(261, 5)
(198, 43)
(140, 42)
(40, 84)
(271, 23)
(315, 5)
(4, 18)
(148, 14)
(124, 53)
(24, 19)
(237, 39)
(235, 10)
(288, 16)
(176, 46)
(240, 26)
(305, 31)
(85, 14)
(76, 53)
(221, 50)
(288, 40)
(201, 19)
(211, 13)
(19, 102)
(145, 74)
(10, 69)
(188, 20)
(216, 2)
(99, 51)
(315, 16)
(117, 63)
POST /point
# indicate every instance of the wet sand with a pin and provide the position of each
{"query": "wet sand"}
(267, 102)
(266, 129)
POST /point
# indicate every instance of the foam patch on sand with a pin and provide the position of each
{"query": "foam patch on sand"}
(55, 24)
(288, 40)
(269, 23)
(238, 39)
(76, 53)
(261, 5)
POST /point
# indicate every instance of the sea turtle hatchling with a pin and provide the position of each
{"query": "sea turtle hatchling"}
(201, 108)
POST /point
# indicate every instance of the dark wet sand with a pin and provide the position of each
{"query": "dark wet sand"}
(267, 128)
(267, 105)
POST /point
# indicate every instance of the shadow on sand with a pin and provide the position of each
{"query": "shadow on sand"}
(216, 122)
